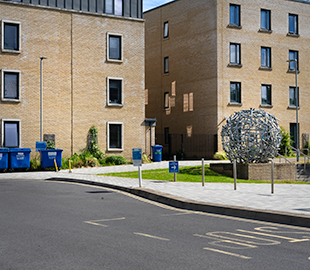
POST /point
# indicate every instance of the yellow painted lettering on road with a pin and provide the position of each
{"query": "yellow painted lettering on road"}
(231, 244)
(228, 253)
(291, 240)
(152, 236)
(244, 238)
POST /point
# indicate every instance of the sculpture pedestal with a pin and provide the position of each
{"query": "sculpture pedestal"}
(258, 171)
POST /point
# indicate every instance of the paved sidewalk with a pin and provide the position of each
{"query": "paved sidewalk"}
(287, 199)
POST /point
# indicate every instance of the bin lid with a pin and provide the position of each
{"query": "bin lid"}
(157, 146)
(20, 150)
(51, 150)
(2, 150)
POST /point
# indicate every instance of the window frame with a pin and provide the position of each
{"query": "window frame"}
(18, 122)
(268, 55)
(120, 36)
(166, 65)
(267, 20)
(237, 51)
(237, 15)
(3, 98)
(166, 101)
(166, 29)
(270, 94)
(293, 62)
(3, 22)
(237, 102)
(108, 137)
(290, 105)
(295, 31)
(121, 92)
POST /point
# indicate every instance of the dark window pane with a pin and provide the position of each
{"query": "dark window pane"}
(11, 36)
(115, 47)
(11, 137)
(166, 65)
(11, 85)
(115, 136)
(235, 14)
(235, 93)
(115, 91)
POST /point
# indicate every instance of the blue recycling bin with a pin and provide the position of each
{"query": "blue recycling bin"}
(4, 158)
(157, 152)
(48, 156)
(19, 158)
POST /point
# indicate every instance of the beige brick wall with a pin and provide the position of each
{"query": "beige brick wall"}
(198, 50)
(75, 77)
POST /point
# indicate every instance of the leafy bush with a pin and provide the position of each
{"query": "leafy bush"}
(35, 163)
(115, 160)
(50, 144)
(220, 155)
(93, 147)
(285, 143)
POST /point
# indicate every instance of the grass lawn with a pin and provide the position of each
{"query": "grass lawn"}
(191, 174)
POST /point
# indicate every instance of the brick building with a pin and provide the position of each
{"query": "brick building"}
(206, 59)
(93, 74)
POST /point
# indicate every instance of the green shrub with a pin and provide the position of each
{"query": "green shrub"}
(93, 147)
(50, 144)
(115, 160)
(220, 155)
(35, 163)
(285, 143)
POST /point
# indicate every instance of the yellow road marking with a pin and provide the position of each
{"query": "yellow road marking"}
(269, 242)
(152, 236)
(225, 241)
(292, 240)
(228, 253)
(95, 222)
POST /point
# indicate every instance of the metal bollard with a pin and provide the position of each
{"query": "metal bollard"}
(272, 181)
(235, 174)
(203, 172)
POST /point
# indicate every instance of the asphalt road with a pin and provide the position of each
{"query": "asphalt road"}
(52, 225)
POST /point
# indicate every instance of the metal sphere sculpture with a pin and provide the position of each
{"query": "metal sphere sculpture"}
(251, 136)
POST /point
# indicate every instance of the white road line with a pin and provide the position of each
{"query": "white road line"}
(152, 236)
(96, 224)
(228, 253)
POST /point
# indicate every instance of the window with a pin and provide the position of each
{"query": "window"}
(265, 19)
(185, 103)
(235, 53)
(114, 47)
(234, 14)
(115, 136)
(292, 96)
(166, 29)
(115, 87)
(266, 57)
(292, 56)
(10, 85)
(235, 92)
(293, 133)
(166, 65)
(146, 91)
(293, 24)
(10, 36)
(166, 101)
(11, 133)
(266, 94)
(114, 7)
(191, 102)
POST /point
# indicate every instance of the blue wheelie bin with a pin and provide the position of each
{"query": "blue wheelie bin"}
(157, 152)
(19, 158)
(48, 156)
(4, 158)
